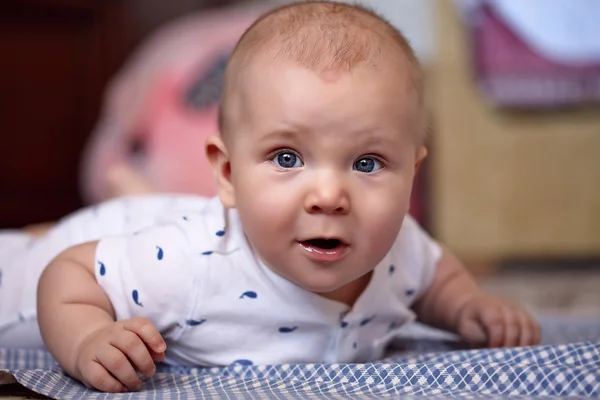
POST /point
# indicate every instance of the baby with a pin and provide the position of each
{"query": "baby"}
(306, 255)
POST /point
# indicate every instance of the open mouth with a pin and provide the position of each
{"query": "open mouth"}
(325, 244)
(325, 250)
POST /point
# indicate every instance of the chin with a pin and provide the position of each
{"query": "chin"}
(321, 286)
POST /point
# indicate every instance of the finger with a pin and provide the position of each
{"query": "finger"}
(120, 367)
(95, 376)
(527, 329)
(536, 330)
(470, 329)
(473, 333)
(157, 357)
(512, 329)
(493, 321)
(132, 346)
(147, 332)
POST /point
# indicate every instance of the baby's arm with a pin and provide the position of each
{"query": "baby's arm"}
(456, 303)
(77, 322)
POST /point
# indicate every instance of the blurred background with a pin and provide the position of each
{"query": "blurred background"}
(104, 98)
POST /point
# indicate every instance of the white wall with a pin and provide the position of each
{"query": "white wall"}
(414, 19)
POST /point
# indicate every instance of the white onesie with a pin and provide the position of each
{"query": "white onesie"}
(184, 263)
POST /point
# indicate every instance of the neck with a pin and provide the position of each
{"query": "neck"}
(349, 293)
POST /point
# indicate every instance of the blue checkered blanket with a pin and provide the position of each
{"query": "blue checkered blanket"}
(567, 364)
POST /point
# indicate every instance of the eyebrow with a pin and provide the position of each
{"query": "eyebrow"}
(372, 140)
(289, 134)
(364, 138)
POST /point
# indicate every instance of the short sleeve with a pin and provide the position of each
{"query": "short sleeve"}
(416, 254)
(149, 274)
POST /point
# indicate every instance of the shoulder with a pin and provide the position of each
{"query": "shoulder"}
(180, 227)
(414, 256)
(415, 243)
(186, 225)
(207, 228)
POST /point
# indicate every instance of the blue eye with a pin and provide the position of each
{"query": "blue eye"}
(287, 159)
(367, 165)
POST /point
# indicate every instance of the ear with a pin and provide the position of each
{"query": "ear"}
(420, 155)
(218, 158)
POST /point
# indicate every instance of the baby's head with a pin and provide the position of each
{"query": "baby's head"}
(322, 127)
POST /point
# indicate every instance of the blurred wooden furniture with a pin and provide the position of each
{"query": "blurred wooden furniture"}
(508, 184)
(57, 56)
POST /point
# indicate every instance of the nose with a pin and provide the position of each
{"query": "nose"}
(327, 195)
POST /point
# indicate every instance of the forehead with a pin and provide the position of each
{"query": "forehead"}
(282, 91)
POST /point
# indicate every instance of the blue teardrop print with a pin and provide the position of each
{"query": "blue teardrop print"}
(249, 295)
(410, 292)
(392, 269)
(193, 322)
(221, 233)
(367, 320)
(287, 330)
(136, 298)
(245, 363)
(185, 218)
(102, 268)
(355, 345)
(343, 324)
(160, 254)
(207, 253)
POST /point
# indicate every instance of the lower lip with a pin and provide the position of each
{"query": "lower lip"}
(325, 255)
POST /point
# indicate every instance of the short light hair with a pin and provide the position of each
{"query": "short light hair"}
(322, 36)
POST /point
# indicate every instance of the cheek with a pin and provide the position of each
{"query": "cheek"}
(259, 183)
(382, 213)
(254, 190)
(383, 227)
(265, 206)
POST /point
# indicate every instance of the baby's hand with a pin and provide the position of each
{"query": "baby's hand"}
(495, 322)
(108, 359)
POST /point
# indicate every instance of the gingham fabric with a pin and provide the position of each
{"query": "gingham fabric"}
(568, 365)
